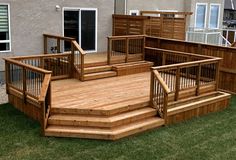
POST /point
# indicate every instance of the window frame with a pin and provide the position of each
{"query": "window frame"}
(218, 23)
(195, 21)
(96, 23)
(9, 29)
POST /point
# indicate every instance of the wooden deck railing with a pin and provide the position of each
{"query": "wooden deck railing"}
(59, 64)
(125, 48)
(30, 84)
(159, 93)
(58, 44)
(78, 59)
(165, 57)
(172, 79)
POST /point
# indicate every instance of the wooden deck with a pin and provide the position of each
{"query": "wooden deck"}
(97, 94)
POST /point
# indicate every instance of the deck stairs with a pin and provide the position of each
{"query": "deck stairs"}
(109, 122)
(122, 119)
(105, 71)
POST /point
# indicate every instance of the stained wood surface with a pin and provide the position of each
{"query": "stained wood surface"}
(72, 93)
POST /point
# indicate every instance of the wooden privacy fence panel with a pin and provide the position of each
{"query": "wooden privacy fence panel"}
(160, 24)
(227, 67)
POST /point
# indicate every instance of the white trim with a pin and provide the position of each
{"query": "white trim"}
(9, 29)
(218, 23)
(196, 16)
(96, 23)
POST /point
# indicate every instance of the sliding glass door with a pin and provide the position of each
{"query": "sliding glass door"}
(82, 25)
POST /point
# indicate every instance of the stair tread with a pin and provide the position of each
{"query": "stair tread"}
(196, 103)
(134, 127)
(91, 118)
(132, 63)
(98, 75)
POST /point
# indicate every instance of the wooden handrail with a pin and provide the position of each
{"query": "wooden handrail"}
(182, 53)
(77, 46)
(40, 56)
(162, 12)
(161, 81)
(44, 88)
(35, 69)
(126, 36)
(60, 37)
(187, 64)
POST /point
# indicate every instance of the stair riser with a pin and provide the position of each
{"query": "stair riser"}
(86, 78)
(97, 111)
(87, 71)
(101, 124)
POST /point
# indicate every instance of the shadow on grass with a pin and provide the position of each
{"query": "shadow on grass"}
(209, 137)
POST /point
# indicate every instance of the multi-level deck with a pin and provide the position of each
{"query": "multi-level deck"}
(115, 95)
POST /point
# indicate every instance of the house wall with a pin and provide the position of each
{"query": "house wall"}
(155, 5)
(29, 19)
(190, 6)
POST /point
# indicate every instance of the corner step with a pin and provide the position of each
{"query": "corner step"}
(101, 121)
(93, 76)
(106, 134)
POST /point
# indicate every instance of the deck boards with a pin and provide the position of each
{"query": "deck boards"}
(71, 93)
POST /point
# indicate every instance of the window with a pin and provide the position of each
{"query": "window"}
(134, 12)
(200, 15)
(5, 42)
(81, 24)
(214, 16)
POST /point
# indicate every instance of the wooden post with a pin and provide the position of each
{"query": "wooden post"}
(144, 44)
(199, 49)
(163, 58)
(109, 48)
(82, 67)
(198, 79)
(217, 75)
(72, 60)
(43, 123)
(165, 105)
(127, 50)
(24, 84)
(177, 84)
(41, 62)
(45, 44)
(58, 45)
(151, 88)
(7, 75)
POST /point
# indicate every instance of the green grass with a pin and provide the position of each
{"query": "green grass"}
(209, 137)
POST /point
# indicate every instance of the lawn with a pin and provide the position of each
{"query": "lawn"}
(208, 137)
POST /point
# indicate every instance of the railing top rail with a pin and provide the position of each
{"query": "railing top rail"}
(195, 43)
(187, 64)
(77, 46)
(126, 36)
(40, 56)
(183, 53)
(60, 37)
(29, 67)
(161, 81)
(164, 12)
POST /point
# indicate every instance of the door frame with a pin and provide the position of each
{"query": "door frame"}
(96, 23)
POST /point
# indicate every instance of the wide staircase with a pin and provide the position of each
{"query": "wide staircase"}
(105, 71)
(108, 122)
